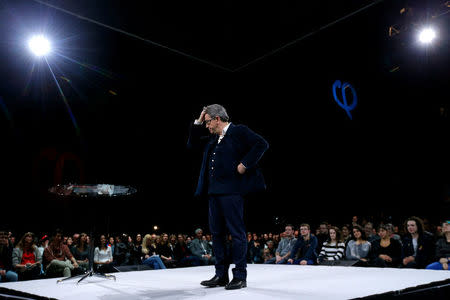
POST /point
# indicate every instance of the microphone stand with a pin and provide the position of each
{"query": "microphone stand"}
(91, 190)
(91, 271)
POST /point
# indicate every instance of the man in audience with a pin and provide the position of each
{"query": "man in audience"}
(269, 252)
(75, 238)
(209, 239)
(304, 250)
(322, 236)
(418, 245)
(284, 247)
(57, 257)
(201, 248)
(370, 233)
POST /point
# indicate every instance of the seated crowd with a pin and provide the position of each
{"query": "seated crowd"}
(349, 245)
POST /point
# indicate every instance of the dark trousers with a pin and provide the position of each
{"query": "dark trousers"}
(226, 215)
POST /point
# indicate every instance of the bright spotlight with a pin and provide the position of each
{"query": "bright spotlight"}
(427, 35)
(39, 45)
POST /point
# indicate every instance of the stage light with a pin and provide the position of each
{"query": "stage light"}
(427, 35)
(39, 45)
(155, 227)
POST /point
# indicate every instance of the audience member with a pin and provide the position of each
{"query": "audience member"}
(322, 236)
(150, 258)
(333, 248)
(43, 243)
(284, 247)
(390, 230)
(112, 244)
(138, 240)
(12, 239)
(133, 252)
(201, 249)
(6, 269)
(418, 245)
(58, 261)
(386, 251)
(371, 235)
(80, 251)
(75, 238)
(358, 247)
(345, 232)
(121, 255)
(269, 252)
(26, 258)
(304, 250)
(255, 251)
(69, 242)
(442, 249)
(165, 251)
(183, 255)
(103, 257)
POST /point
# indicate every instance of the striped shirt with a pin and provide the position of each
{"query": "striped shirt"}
(332, 251)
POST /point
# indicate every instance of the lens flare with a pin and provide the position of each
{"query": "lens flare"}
(39, 45)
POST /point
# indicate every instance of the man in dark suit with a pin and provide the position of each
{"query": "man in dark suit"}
(229, 171)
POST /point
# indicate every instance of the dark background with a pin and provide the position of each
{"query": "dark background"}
(133, 102)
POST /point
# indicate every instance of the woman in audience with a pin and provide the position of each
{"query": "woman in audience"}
(69, 242)
(150, 257)
(442, 249)
(385, 252)
(358, 247)
(418, 245)
(81, 251)
(26, 258)
(165, 252)
(103, 257)
(333, 248)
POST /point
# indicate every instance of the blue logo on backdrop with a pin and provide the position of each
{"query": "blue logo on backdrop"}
(345, 106)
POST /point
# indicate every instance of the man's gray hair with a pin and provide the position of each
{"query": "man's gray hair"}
(217, 110)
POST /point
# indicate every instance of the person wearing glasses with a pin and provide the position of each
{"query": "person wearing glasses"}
(304, 250)
(229, 171)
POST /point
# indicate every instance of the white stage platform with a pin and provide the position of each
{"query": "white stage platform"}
(264, 282)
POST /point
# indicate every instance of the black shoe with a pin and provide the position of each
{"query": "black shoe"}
(236, 284)
(215, 281)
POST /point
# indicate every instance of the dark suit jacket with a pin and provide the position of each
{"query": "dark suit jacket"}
(239, 145)
(425, 249)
